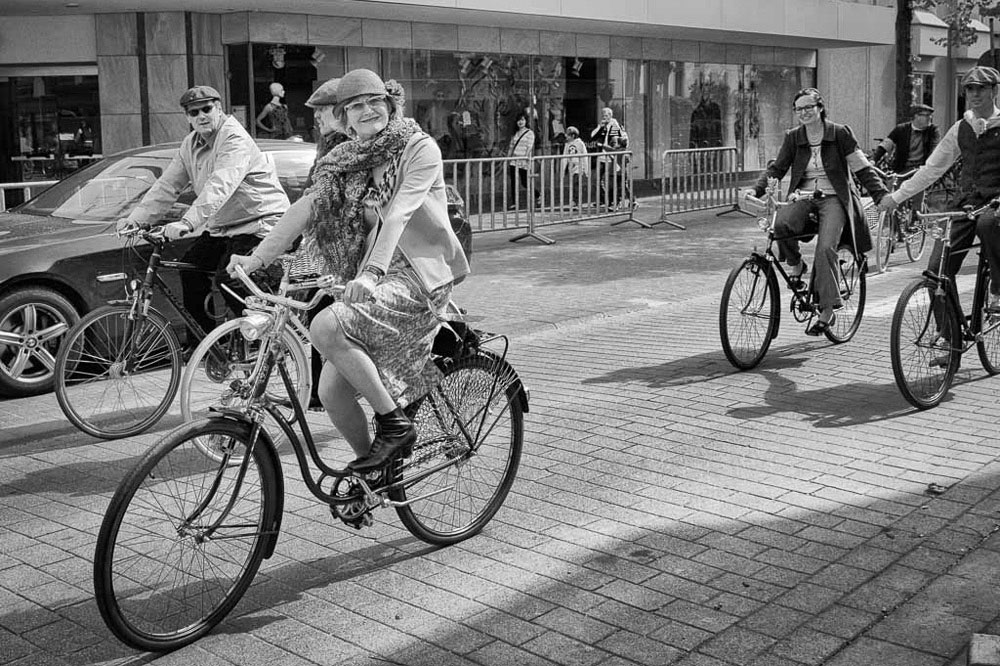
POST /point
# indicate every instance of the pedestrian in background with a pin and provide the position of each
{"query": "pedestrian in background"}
(607, 137)
(577, 164)
(522, 147)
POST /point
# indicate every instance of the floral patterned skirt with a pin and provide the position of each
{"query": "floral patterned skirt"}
(396, 328)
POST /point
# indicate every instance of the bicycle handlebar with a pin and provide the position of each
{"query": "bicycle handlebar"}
(968, 212)
(325, 284)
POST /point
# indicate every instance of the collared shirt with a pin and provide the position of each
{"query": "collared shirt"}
(943, 157)
(236, 185)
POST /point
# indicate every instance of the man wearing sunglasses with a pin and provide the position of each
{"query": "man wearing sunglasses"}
(238, 196)
(975, 138)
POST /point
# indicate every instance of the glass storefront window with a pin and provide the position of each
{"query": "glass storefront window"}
(53, 127)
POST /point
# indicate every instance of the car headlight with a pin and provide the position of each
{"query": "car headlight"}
(254, 325)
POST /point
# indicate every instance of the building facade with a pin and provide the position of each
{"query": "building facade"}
(75, 85)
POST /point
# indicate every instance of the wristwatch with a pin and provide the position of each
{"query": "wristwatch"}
(374, 270)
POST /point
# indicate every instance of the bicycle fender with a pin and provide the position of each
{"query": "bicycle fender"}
(270, 451)
(508, 370)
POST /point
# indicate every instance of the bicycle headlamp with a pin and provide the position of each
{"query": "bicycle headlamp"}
(254, 325)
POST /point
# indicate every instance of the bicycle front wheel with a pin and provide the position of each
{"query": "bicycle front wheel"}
(116, 374)
(914, 233)
(925, 344)
(883, 240)
(853, 289)
(986, 322)
(748, 313)
(221, 366)
(470, 428)
(184, 536)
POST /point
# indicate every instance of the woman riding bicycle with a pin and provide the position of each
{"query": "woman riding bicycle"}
(821, 155)
(377, 217)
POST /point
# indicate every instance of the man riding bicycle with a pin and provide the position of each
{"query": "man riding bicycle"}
(976, 140)
(238, 196)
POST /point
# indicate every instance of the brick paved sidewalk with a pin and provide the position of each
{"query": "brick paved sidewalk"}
(668, 509)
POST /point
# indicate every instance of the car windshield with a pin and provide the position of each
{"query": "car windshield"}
(104, 192)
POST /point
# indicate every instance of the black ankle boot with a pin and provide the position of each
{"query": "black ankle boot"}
(393, 432)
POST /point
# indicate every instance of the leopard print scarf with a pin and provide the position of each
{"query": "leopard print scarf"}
(336, 233)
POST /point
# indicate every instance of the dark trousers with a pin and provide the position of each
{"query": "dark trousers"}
(793, 220)
(519, 180)
(211, 253)
(963, 235)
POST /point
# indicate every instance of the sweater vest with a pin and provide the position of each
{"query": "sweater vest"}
(980, 161)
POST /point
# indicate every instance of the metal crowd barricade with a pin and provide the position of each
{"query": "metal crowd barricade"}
(697, 179)
(26, 187)
(549, 195)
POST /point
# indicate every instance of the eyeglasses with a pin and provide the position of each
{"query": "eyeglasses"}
(375, 101)
(803, 109)
(205, 109)
(975, 87)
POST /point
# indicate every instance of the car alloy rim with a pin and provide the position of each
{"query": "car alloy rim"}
(27, 342)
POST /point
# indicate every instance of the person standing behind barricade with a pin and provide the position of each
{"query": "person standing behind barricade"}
(822, 155)
(608, 137)
(522, 147)
(576, 164)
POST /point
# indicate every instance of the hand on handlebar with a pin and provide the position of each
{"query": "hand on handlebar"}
(248, 263)
(887, 204)
(360, 288)
(176, 230)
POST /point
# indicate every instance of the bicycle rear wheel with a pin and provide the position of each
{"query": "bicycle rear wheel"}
(853, 289)
(986, 322)
(218, 371)
(116, 375)
(172, 557)
(883, 240)
(748, 313)
(471, 426)
(925, 344)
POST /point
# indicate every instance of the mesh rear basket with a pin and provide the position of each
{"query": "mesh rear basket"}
(871, 213)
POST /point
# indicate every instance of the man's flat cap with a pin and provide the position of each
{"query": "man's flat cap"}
(200, 94)
(981, 76)
(325, 95)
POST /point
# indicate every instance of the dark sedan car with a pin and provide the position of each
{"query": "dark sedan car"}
(54, 247)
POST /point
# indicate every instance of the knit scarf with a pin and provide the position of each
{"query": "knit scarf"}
(336, 233)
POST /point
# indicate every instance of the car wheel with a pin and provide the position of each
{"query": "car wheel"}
(33, 321)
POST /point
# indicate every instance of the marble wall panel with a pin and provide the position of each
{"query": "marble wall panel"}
(738, 54)
(762, 55)
(164, 127)
(625, 47)
(334, 31)
(657, 49)
(116, 34)
(794, 57)
(206, 34)
(593, 46)
(120, 132)
(118, 84)
(435, 36)
(166, 76)
(557, 43)
(165, 33)
(686, 51)
(712, 52)
(478, 38)
(210, 71)
(386, 34)
(519, 41)
(235, 28)
(278, 28)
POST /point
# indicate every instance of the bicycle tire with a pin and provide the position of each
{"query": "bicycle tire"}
(853, 290)
(207, 383)
(749, 313)
(883, 242)
(914, 234)
(162, 582)
(117, 376)
(986, 323)
(922, 367)
(457, 501)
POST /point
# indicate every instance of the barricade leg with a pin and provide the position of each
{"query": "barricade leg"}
(531, 233)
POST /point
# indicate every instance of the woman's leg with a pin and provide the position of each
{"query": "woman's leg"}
(351, 361)
(791, 221)
(832, 218)
(339, 399)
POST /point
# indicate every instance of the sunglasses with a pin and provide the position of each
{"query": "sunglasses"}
(205, 109)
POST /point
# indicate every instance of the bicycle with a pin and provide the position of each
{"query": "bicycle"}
(930, 331)
(186, 531)
(899, 228)
(119, 368)
(749, 312)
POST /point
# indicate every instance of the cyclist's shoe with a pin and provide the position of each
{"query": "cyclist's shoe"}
(797, 277)
(394, 432)
(941, 347)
